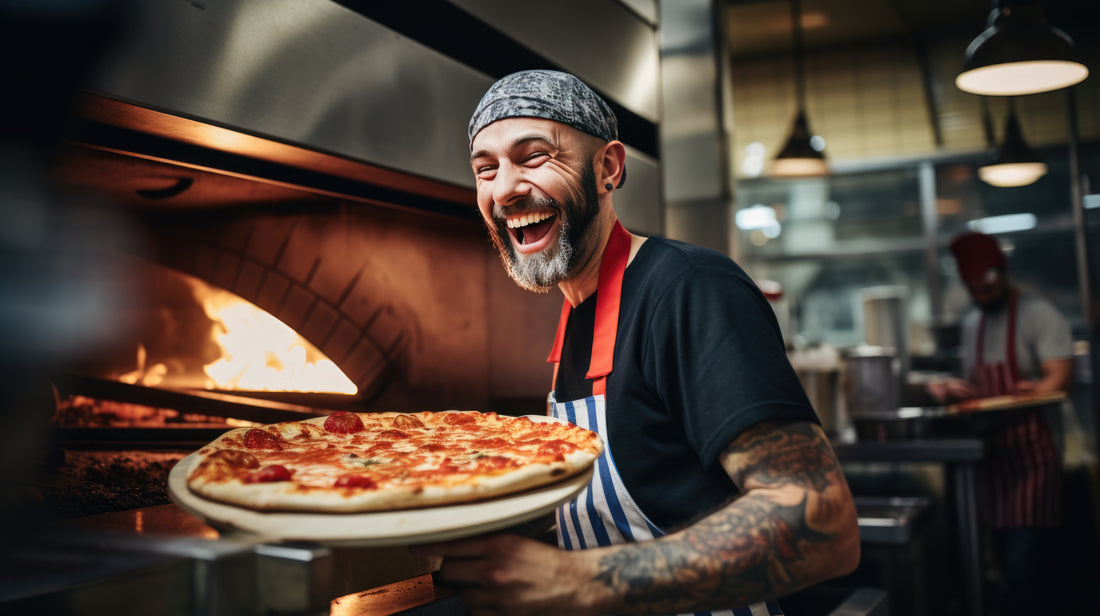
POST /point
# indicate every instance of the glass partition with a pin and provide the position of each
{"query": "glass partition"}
(826, 240)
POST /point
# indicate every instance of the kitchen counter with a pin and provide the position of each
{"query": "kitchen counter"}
(179, 565)
(946, 450)
(960, 457)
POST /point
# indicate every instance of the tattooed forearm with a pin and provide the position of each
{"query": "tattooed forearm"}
(796, 454)
(737, 556)
(761, 546)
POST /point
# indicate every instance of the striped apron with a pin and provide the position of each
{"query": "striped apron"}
(1022, 464)
(605, 513)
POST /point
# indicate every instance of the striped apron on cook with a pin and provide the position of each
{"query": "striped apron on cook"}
(605, 513)
(1022, 464)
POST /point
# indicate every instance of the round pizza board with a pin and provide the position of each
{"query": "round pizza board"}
(376, 529)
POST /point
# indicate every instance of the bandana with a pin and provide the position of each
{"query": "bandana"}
(975, 254)
(550, 95)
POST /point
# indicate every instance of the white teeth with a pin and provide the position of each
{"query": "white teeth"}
(528, 219)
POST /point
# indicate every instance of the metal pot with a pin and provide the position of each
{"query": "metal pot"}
(822, 388)
(871, 379)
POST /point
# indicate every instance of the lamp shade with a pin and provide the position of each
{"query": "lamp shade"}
(798, 158)
(1014, 163)
(1020, 53)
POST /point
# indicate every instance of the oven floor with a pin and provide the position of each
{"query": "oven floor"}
(88, 482)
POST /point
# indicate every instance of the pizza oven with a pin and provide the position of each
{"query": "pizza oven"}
(204, 274)
(237, 290)
(184, 171)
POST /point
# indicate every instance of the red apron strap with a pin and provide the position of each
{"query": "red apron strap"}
(979, 352)
(559, 339)
(997, 379)
(609, 287)
(1010, 342)
(607, 303)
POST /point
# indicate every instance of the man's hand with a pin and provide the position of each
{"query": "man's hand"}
(951, 390)
(513, 575)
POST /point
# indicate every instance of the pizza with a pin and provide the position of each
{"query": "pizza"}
(361, 462)
(1006, 401)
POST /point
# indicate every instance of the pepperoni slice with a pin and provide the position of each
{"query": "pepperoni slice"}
(261, 439)
(355, 481)
(343, 422)
(557, 446)
(269, 474)
(407, 422)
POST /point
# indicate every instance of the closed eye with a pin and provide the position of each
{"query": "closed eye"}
(536, 157)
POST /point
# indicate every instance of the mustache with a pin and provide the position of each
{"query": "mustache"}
(530, 203)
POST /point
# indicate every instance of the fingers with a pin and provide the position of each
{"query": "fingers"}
(467, 562)
(503, 574)
(1025, 386)
(938, 391)
(463, 573)
(964, 389)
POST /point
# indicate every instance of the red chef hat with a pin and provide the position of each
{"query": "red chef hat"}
(975, 253)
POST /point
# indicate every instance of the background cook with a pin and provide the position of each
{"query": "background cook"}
(1014, 342)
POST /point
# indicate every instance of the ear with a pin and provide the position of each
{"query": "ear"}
(611, 165)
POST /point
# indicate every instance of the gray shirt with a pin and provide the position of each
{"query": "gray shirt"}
(1042, 334)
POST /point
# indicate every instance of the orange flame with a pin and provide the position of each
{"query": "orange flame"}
(149, 376)
(261, 353)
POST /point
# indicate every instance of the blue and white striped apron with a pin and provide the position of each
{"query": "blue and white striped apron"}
(605, 513)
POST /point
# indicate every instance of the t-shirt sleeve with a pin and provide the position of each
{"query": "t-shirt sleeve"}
(1053, 339)
(717, 359)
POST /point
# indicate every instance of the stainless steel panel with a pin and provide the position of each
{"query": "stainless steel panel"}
(308, 72)
(694, 163)
(638, 203)
(692, 143)
(646, 9)
(601, 41)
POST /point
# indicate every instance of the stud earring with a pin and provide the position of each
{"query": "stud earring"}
(608, 187)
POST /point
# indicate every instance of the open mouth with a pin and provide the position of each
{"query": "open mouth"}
(530, 229)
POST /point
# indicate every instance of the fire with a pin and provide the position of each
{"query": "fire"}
(261, 353)
(150, 376)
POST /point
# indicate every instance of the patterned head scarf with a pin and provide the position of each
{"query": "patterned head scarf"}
(550, 95)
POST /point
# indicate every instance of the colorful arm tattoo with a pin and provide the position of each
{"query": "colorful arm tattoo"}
(755, 547)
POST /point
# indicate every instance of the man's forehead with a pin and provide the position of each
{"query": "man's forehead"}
(511, 132)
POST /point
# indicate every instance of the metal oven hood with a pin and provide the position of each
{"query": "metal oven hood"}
(310, 73)
(315, 76)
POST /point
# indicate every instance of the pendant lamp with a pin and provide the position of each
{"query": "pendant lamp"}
(1014, 163)
(799, 158)
(1020, 53)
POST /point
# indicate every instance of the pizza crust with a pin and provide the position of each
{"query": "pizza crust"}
(311, 490)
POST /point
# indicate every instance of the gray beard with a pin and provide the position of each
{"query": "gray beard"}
(542, 271)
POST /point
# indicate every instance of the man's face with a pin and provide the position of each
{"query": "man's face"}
(989, 291)
(536, 190)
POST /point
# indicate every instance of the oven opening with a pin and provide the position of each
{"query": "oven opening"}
(217, 353)
(191, 321)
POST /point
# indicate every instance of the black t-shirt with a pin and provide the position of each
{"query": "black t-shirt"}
(698, 359)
